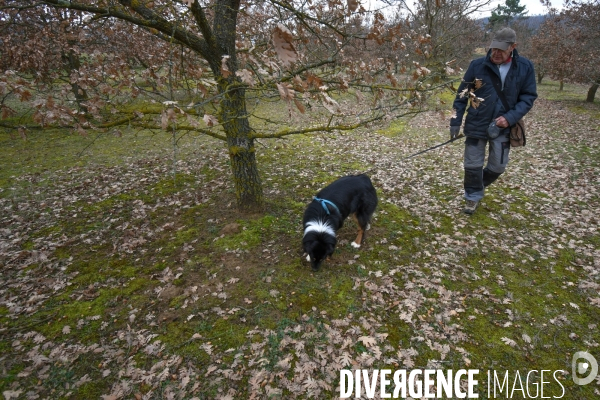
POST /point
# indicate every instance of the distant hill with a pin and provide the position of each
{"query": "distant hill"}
(532, 21)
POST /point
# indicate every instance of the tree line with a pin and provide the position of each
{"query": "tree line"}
(565, 47)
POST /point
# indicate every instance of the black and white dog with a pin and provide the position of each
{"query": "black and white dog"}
(326, 214)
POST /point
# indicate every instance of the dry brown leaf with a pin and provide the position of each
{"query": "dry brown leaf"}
(246, 77)
(300, 106)
(286, 92)
(224, 67)
(282, 41)
(330, 104)
(210, 120)
(353, 5)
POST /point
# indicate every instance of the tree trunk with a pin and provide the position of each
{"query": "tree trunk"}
(540, 77)
(562, 84)
(233, 115)
(247, 182)
(72, 65)
(591, 93)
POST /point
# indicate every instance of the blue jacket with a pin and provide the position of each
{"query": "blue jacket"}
(519, 89)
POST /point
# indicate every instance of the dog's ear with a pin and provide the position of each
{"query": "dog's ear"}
(330, 249)
(309, 246)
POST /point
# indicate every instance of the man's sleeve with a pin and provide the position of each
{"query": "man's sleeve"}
(460, 103)
(525, 99)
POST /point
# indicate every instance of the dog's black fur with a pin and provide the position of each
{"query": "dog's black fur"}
(351, 195)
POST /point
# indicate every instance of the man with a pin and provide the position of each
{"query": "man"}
(517, 78)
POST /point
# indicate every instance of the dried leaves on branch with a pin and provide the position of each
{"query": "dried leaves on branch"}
(118, 67)
(94, 68)
(110, 68)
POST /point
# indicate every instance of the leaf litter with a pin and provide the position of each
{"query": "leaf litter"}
(427, 275)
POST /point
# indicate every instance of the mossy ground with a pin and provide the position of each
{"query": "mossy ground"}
(145, 256)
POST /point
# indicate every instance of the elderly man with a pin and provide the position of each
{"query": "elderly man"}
(488, 121)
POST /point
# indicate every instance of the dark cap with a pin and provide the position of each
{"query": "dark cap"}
(503, 39)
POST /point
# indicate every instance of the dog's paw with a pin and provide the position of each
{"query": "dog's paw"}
(368, 227)
(308, 258)
(355, 245)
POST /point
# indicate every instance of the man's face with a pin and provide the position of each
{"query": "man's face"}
(501, 56)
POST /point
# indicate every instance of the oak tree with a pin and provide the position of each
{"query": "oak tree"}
(566, 46)
(451, 28)
(206, 66)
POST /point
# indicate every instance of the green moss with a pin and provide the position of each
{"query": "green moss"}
(186, 235)
(109, 203)
(229, 334)
(171, 185)
(395, 128)
(177, 302)
(447, 97)
(252, 233)
(91, 390)
(47, 231)
(99, 270)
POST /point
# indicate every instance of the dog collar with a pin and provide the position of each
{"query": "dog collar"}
(324, 204)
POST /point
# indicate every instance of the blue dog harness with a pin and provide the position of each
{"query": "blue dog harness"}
(324, 204)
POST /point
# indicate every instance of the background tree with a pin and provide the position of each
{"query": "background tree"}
(504, 15)
(236, 55)
(551, 51)
(45, 50)
(525, 28)
(566, 46)
(450, 26)
(583, 20)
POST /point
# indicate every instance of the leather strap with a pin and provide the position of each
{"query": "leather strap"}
(498, 86)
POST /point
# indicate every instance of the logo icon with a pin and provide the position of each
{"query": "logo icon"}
(584, 363)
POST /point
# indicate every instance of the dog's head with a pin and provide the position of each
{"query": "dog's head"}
(318, 247)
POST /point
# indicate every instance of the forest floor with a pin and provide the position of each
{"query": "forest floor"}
(126, 272)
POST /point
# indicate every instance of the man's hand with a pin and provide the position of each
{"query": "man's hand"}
(502, 122)
(454, 132)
